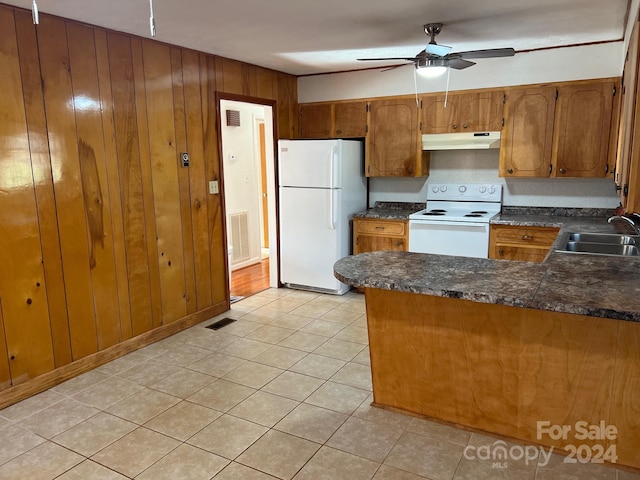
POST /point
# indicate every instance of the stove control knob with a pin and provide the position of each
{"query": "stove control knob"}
(435, 189)
(483, 189)
(443, 189)
(462, 188)
(492, 190)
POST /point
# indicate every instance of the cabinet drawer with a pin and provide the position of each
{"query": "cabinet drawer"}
(544, 236)
(381, 227)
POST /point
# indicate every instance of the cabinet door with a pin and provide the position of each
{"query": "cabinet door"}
(627, 120)
(582, 129)
(374, 243)
(527, 136)
(438, 118)
(315, 121)
(480, 112)
(350, 119)
(393, 146)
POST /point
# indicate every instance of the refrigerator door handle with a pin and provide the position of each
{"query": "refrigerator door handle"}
(332, 167)
(332, 220)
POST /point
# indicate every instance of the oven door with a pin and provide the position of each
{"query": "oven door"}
(449, 238)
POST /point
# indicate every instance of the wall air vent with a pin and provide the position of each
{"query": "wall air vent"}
(233, 118)
(239, 236)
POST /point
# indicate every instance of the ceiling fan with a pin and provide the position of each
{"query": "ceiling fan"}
(434, 59)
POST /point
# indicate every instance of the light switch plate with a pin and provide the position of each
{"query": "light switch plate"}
(213, 187)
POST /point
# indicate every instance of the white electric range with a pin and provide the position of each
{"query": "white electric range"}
(456, 220)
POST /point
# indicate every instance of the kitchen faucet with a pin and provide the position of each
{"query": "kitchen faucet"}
(629, 218)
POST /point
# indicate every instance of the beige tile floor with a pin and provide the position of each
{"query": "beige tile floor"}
(284, 392)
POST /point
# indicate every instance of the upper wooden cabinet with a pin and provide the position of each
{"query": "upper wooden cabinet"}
(464, 112)
(559, 131)
(582, 130)
(526, 144)
(333, 120)
(349, 119)
(394, 146)
(315, 120)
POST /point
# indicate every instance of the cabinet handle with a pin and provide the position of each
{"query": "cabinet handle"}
(454, 126)
(338, 132)
(561, 170)
(379, 227)
(510, 170)
(399, 243)
(464, 125)
(527, 237)
(326, 132)
(501, 252)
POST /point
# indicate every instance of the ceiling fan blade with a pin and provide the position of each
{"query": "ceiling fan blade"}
(412, 59)
(394, 67)
(459, 64)
(438, 50)
(491, 53)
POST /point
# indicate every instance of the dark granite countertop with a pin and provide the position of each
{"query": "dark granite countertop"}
(390, 210)
(595, 285)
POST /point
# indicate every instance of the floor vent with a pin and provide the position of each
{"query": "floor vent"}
(239, 236)
(221, 323)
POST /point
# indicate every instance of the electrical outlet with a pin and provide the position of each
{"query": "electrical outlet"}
(213, 187)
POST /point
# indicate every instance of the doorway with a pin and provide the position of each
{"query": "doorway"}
(247, 144)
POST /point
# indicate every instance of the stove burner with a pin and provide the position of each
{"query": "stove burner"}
(483, 212)
(473, 215)
(434, 213)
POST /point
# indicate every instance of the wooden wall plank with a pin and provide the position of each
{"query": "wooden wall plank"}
(43, 181)
(164, 175)
(130, 176)
(147, 186)
(233, 78)
(249, 80)
(294, 126)
(215, 211)
(95, 185)
(113, 181)
(264, 80)
(285, 109)
(58, 98)
(197, 177)
(22, 291)
(183, 179)
(5, 371)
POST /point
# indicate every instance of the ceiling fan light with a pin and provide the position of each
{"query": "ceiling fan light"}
(431, 68)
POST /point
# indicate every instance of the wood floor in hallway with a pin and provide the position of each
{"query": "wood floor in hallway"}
(250, 280)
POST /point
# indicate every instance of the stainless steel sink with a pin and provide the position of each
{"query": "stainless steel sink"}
(602, 248)
(608, 238)
(601, 244)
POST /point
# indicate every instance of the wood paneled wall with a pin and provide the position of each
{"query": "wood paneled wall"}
(103, 235)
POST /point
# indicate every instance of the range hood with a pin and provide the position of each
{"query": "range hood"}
(461, 141)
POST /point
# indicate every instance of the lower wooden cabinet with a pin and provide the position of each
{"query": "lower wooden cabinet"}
(526, 244)
(371, 235)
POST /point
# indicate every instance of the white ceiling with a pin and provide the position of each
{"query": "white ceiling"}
(319, 36)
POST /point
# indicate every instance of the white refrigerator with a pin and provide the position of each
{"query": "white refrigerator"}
(321, 186)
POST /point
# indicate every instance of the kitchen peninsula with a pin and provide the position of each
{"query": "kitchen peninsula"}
(500, 345)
